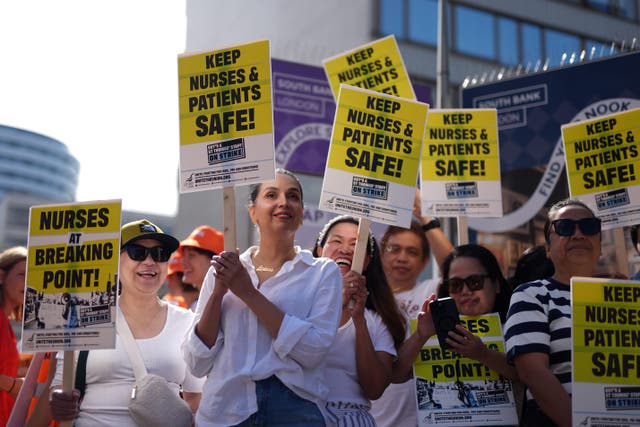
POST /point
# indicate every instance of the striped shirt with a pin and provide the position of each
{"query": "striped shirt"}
(539, 321)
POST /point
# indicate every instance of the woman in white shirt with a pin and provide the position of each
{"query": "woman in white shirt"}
(265, 321)
(157, 326)
(359, 364)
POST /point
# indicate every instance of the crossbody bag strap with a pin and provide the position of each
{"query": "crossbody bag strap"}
(122, 327)
(81, 372)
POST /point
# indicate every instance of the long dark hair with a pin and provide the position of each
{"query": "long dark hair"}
(380, 299)
(532, 265)
(490, 264)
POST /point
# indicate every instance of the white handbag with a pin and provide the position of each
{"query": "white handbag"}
(152, 403)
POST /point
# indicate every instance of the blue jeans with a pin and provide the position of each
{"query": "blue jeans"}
(279, 406)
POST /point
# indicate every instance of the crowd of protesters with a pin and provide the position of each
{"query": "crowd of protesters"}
(282, 335)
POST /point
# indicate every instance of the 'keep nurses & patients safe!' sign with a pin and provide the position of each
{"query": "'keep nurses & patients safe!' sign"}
(226, 120)
(376, 66)
(605, 352)
(603, 166)
(461, 164)
(374, 156)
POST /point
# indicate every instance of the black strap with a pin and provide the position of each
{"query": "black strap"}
(81, 372)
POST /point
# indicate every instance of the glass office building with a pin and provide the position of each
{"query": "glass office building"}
(34, 169)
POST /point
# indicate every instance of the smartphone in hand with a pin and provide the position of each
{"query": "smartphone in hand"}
(445, 318)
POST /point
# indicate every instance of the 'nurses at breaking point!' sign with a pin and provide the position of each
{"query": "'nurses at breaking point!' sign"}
(72, 276)
(454, 390)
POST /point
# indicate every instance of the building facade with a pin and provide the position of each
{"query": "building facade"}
(34, 170)
(488, 40)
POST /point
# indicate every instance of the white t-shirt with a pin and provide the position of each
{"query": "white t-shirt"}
(341, 371)
(110, 377)
(410, 302)
(397, 407)
(309, 291)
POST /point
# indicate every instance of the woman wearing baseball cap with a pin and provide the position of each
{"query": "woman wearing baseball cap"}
(155, 325)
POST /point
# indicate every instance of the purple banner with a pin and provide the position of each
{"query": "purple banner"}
(303, 110)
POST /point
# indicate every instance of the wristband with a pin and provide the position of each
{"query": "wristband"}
(434, 223)
(12, 386)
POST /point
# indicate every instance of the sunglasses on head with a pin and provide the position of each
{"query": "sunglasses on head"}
(475, 282)
(140, 253)
(566, 227)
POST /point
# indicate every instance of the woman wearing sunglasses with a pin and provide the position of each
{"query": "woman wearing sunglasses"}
(538, 328)
(471, 275)
(157, 327)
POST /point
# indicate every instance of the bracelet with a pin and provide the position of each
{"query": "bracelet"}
(12, 386)
(434, 223)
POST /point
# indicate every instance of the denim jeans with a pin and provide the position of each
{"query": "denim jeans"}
(279, 406)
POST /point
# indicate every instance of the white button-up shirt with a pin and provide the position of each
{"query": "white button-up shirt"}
(309, 291)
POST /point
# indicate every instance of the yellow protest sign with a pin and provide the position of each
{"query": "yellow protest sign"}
(376, 66)
(375, 146)
(461, 163)
(226, 120)
(602, 154)
(72, 275)
(461, 145)
(606, 324)
(442, 365)
(455, 390)
(64, 255)
(602, 163)
(377, 136)
(605, 350)
(225, 93)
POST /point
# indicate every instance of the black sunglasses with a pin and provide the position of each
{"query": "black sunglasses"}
(475, 282)
(140, 253)
(566, 227)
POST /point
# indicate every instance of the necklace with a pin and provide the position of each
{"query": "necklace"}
(266, 269)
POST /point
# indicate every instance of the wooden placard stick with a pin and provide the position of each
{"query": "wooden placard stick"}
(229, 218)
(357, 263)
(622, 266)
(463, 230)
